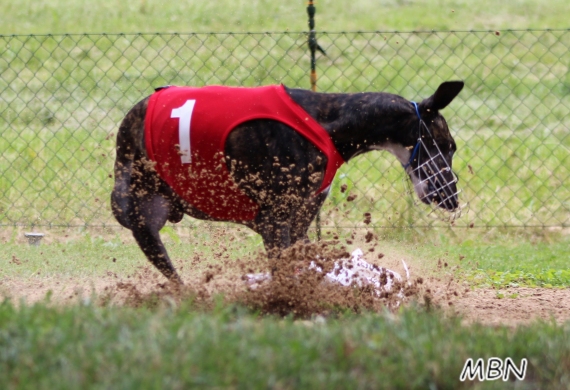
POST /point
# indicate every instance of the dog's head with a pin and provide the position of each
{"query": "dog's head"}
(430, 163)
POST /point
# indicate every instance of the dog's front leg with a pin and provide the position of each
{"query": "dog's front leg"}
(275, 230)
(304, 215)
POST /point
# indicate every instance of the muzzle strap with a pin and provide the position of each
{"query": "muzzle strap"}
(417, 110)
(417, 147)
(413, 156)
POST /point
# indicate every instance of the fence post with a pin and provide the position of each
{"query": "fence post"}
(312, 44)
(313, 47)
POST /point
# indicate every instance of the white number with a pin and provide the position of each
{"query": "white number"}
(184, 114)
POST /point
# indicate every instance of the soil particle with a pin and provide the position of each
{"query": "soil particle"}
(293, 290)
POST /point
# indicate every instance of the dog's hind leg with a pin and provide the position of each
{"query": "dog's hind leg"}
(153, 211)
(176, 211)
(129, 145)
(121, 202)
(140, 201)
(145, 212)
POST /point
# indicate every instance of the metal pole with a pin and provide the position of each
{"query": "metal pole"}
(313, 47)
(312, 44)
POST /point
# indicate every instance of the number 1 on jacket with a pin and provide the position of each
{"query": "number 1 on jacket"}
(184, 115)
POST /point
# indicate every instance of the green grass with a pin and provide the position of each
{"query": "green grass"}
(83, 253)
(102, 347)
(481, 258)
(485, 258)
(67, 16)
(87, 257)
(511, 263)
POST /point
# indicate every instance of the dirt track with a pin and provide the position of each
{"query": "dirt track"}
(479, 305)
(510, 307)
(484, 306)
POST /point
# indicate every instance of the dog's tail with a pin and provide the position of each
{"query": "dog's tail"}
(130, 140)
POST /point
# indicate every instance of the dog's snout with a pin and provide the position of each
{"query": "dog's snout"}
(451, 204)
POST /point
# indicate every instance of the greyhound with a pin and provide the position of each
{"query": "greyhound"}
(281, 172)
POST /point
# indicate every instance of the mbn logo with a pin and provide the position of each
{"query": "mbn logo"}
(496, 369)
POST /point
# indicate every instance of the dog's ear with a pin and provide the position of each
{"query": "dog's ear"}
(446, 92)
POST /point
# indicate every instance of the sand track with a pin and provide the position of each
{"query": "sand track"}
(511, 306)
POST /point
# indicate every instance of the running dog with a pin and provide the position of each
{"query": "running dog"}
(265, 157)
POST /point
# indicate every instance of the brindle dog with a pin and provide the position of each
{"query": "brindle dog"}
(280, 169)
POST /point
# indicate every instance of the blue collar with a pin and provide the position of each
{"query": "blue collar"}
(417, 147)
(417, 110)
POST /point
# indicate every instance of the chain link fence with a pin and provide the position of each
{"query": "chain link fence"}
(62, 98)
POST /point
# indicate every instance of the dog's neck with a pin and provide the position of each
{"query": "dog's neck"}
(362, 122)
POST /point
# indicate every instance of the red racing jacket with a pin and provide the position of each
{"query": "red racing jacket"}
(185, 134)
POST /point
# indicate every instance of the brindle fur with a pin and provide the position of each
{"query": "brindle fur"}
(274, 165)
